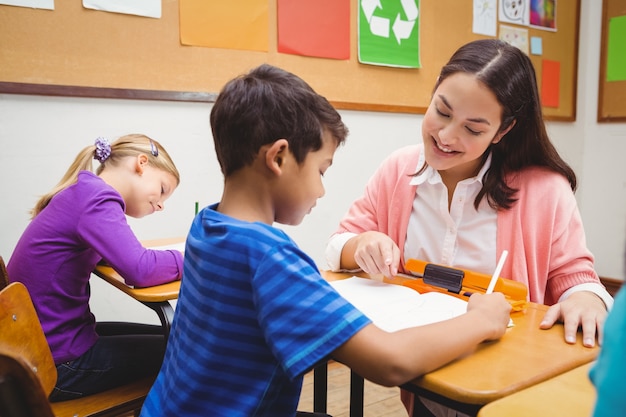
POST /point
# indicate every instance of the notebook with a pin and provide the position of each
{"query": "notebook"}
(394, 307)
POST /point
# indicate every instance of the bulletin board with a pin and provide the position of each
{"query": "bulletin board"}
(73, 51)
(611, 94)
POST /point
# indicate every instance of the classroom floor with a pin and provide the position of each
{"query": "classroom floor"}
(379, 401)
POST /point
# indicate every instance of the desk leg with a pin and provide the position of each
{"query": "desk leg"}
(320, 387)
(165, 311)
(357, 386)
(469, 409)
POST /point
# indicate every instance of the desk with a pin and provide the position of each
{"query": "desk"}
(525, 356)
(156, 297)
(570, 394)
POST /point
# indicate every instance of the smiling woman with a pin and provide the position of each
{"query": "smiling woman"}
(486, 168)
(76, 225)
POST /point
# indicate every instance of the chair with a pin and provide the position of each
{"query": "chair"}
(28, 373)
(4, 276)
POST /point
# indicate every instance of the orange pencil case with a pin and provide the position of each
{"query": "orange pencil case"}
(462, 283)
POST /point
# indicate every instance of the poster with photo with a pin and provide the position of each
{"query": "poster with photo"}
(543, 14)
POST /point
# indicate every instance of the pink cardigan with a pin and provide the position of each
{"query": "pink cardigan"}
(543, 231)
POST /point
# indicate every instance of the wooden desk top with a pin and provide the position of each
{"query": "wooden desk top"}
(157, 293)
(570, 394)
(523, 357)
(163, 292)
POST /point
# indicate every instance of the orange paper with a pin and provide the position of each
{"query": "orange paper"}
(550, 79)
(234, 24)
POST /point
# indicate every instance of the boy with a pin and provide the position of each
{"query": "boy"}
(254, 314)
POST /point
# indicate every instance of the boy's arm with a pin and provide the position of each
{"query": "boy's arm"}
(391, 359)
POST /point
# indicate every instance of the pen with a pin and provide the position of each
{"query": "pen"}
(496, 273)
(196, 208)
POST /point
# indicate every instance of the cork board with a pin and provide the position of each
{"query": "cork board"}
(79, 52)
(611, 102)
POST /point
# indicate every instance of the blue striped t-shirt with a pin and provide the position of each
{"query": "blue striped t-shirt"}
(253, 316)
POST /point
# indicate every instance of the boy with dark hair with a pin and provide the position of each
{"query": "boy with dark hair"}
(254, 314)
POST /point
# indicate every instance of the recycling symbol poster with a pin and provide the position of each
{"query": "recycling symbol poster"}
(388, 33)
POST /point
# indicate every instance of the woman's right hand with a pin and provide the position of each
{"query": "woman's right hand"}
(495, 311)
(374, 252)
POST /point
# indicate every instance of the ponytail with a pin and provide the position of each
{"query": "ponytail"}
(81, 163)
(110, 154)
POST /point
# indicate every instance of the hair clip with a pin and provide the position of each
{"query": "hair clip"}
(153, 149)
(103, 150)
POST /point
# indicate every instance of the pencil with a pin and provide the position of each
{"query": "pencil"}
(496, 273)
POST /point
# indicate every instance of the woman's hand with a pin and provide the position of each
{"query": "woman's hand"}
(374, 252)
(581, 309)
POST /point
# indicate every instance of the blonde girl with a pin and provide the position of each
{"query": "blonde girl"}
(78, 224)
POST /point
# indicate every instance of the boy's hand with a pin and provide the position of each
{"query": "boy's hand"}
(495, 311)
(376, 253)
(581, 309)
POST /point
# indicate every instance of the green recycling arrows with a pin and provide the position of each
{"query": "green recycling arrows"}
(389, 33)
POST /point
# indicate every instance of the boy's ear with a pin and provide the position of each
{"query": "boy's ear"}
(140, 163)
(276, 154)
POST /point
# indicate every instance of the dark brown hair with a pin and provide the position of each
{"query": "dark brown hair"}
(510, 75)
(265, 105)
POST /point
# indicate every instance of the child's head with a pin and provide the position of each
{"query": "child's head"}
(265, 105)
(112, 155)
(133, 145)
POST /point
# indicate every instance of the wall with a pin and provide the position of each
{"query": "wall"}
(40, 136)
(603, 177)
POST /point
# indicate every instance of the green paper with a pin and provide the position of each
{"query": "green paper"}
(389, 33)
(616, 53)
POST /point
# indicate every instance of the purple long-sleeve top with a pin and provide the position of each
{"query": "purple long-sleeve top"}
(54, 258)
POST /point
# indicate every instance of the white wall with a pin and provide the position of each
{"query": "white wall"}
(603, 176)
(40, 137)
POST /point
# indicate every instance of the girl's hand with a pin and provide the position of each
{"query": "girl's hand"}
(581, 309)
(376, 253)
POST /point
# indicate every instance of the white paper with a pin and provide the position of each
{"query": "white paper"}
(394, 307)
(484, 20)
(516, 12)
(180, 246)
(147, 8)
(36, 4)
(516, 36)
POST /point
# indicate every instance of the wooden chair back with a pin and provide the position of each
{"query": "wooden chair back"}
(26, 361)
(4, 276)
(27, 371)
(21, 334)
(21, 393)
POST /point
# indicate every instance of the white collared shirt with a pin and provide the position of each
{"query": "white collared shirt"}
(435, 233)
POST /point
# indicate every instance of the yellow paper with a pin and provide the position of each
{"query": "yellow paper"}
(235, 24)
